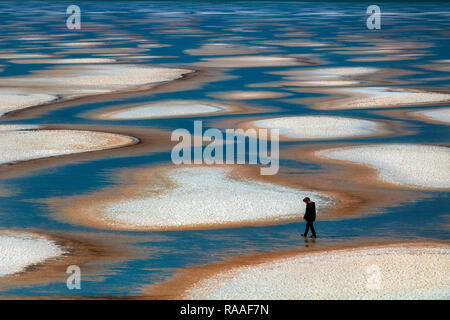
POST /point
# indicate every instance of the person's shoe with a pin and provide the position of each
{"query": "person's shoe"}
(313, 237)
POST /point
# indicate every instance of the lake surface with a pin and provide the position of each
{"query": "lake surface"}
(259, 23)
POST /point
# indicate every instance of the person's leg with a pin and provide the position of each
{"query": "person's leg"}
(312, 230)
(306, 229)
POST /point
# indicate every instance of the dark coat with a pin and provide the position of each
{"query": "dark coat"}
(310, 213)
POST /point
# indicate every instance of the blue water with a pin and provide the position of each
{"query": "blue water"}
(166, 251)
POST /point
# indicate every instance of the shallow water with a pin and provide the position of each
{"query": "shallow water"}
(166, 251)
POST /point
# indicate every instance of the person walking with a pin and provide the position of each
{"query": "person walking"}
(309, 217)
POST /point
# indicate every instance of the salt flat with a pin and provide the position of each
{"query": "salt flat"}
(79, 80)
(250, 95)
(164, 109)
(64, 61)
(19, 250)
(19, 144)
(249, 61)
(408, 165)
(324, 73)
(380, 97)
(189, 198)
(11, 100)
(321, 127)
(392, 272)
(16, 127)
(441, 115)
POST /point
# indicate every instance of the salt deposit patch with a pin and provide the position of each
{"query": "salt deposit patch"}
(200, 196)
(250, 95)
(249, 61)
(11, 100)
(409, 165)
(164, 110)
(398, 57)
(220, 49)
(16, 127)
(296, 43)
(441, 115)
(111, 77)
(21, 145)
(326, 73)
(381, 97)
(64, 61)
(23, 56)
(322, 83)
(19, 250)
(78, 81)
(79, 44)
(321, 127)
(404, 273)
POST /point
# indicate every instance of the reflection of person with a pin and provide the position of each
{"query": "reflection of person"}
(309, 217)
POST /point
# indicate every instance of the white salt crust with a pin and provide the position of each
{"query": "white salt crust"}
(65, 61)
(364, 273)
(438, 115)
(221, 49)
(250, 95)
(164, 109)
(324, 74)
(111, 76)
(295, 43)
(77, 81)
(14, 100)
(320, 127)
(19, 250)
(16, 127)
(322, 83)
(79, 44)
(409, 165)
(248, 62)
(23, 56)
(207, 196)
(21, 145)
(380, 97)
